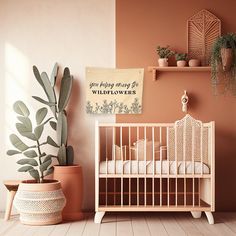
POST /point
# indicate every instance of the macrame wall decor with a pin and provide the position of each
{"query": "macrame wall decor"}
(203, 29)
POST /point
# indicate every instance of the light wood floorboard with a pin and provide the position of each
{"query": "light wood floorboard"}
(139, 225)
(108, 226)
(123, 225)
(155, 225)
(171, 225)
(129, 224)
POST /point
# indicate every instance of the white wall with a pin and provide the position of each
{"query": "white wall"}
(74, 33)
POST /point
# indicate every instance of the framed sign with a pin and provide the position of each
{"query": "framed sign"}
(114, 91)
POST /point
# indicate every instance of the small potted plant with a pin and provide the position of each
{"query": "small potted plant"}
(181, 59)
(39, 201)
(223, 62)
(70, 175)
(164, 53)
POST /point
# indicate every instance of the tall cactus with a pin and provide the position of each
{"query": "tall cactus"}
(34, 161)
(58, 106)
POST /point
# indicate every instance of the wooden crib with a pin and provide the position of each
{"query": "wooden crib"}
(155, 167)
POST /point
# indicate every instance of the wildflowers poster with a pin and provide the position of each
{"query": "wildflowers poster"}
(114, 91)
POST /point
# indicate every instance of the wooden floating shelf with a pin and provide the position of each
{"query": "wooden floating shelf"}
(155, 69)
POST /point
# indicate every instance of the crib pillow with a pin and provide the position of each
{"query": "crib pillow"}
(138, 150)
(116, 152)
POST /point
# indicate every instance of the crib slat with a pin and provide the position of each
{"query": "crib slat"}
(97, 161)
(113, 145)
(201, 148)
(122, 161)
(137, 167)
(145, 163)
(153, 169)
(106, 167)
(193, 163)
(176, 166)
(199, 192)
(129, 165)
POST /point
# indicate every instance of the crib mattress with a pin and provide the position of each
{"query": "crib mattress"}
(138, 167)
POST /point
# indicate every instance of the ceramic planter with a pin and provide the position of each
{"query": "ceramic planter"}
(163, 62)
(71, 178)
(181, 63)
(227, 58)
(40, 203)
(194, 62)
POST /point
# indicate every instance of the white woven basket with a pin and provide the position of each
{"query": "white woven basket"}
(39, 207)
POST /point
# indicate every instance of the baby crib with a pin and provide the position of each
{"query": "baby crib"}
(155, 167)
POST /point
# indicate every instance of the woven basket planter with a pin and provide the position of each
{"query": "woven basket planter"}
(40, 204)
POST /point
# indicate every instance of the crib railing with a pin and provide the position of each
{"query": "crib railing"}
(154, 165)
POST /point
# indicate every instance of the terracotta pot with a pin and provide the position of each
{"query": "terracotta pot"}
(181, 63)
(40, 203)
(163, 62)
(71, 178)
(194, 62)
(227, 58)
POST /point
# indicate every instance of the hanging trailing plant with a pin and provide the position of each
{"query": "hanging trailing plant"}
(223, 64)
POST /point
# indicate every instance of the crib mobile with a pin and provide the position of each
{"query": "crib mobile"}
(155, 166)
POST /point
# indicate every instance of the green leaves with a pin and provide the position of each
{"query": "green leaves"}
(54, 75)
(38, 131)
(35, 174)
(12, 152)
(51, 142)
(25, 168)
(70, 155)
(26, 122)
(31, 162)
(62, 155)
(65, 91)
(45, 84)
(53, 125)
(62, 128)
(21, 109)
(43, 101)
(49, 171)
(40, 115)
(47, 87)
(25, 131)
(45, 165)
(30, 154)
(17, 143)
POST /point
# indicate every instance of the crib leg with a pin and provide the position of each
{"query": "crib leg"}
(210, 217)
(98, 217)
(196, 214)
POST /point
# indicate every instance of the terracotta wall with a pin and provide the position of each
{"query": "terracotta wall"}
(141, 25)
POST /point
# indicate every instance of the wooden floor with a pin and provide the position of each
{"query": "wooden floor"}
(126, 224)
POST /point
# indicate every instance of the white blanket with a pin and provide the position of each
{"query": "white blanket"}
(138, 167)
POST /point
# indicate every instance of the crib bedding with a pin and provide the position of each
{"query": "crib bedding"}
(138, 167)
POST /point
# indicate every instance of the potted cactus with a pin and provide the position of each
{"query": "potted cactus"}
(45, 207)
(164, 53)
(181, 59)
(65, 171)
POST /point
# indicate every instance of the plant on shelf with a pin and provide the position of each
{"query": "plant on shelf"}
(57, 106)
(66, 172)
(223, 64)
(38, 164)
(34, 160)
(164, 53)
(181, 59)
